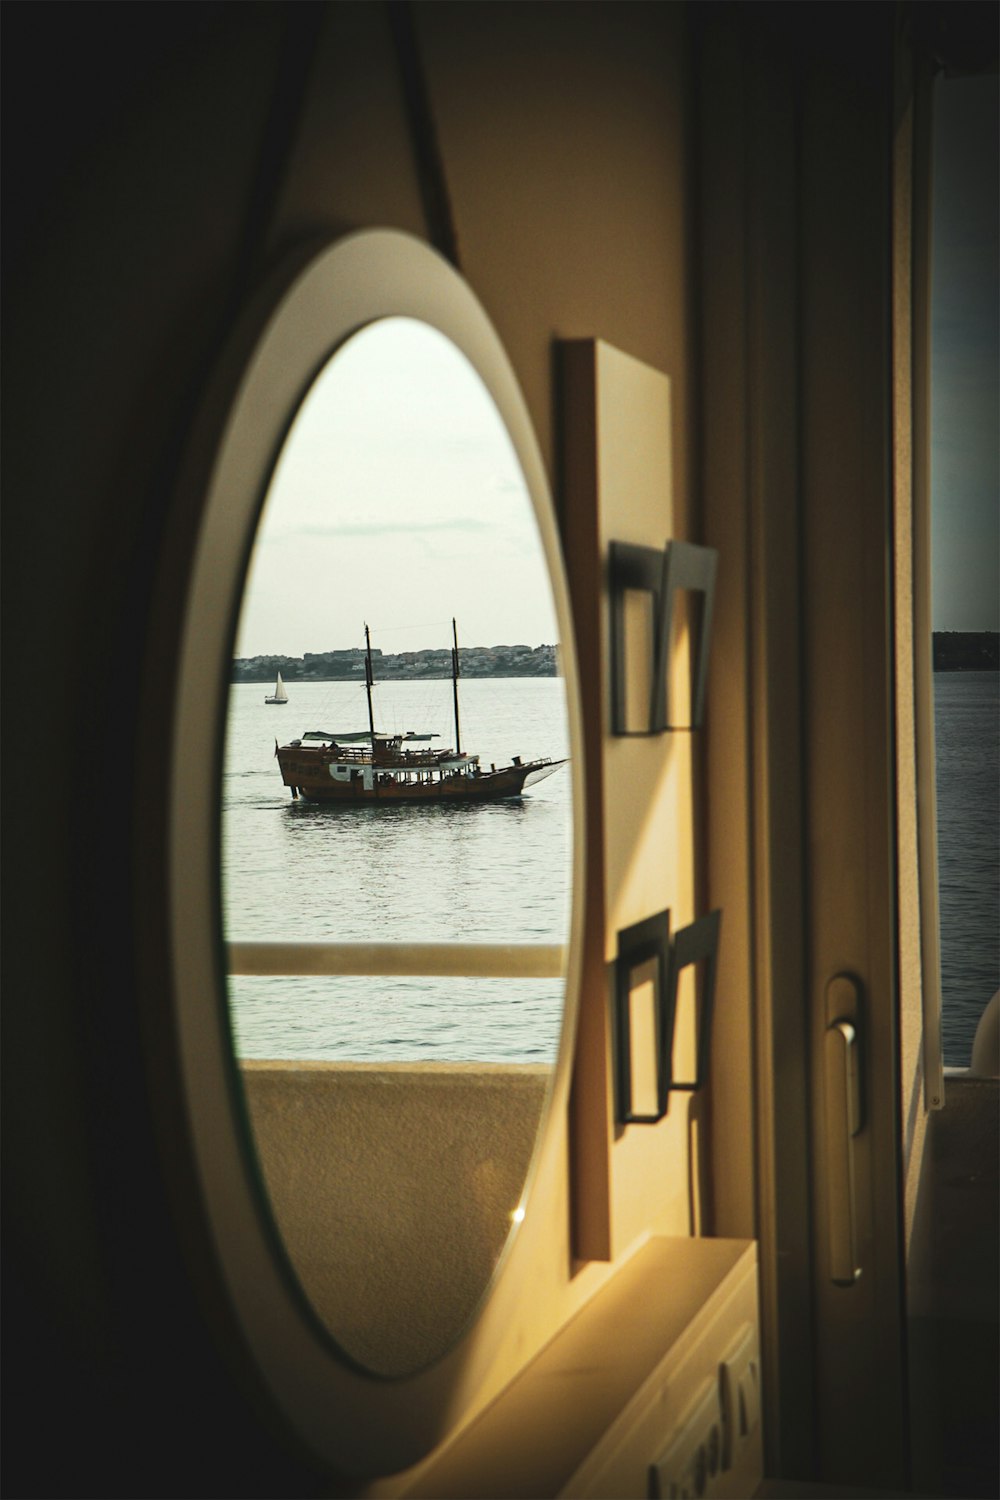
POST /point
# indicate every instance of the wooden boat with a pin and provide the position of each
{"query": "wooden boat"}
(371, 767)
(279, 695)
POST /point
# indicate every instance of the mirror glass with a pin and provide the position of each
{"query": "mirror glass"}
(372, 795)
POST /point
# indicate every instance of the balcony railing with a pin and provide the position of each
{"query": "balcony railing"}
(459, 960)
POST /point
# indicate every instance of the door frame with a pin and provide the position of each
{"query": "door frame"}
(795, 222)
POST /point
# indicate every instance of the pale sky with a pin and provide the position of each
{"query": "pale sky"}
(965, 321)
(397, 500)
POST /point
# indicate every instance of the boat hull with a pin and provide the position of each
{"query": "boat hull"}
(309, 777)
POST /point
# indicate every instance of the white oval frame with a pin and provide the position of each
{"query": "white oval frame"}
(354, 1422)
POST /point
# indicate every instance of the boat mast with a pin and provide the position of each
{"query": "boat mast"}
(368, 685)
(454, 683)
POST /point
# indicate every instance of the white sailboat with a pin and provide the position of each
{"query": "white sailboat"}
(279, 695)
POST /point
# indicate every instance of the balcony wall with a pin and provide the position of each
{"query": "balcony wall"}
(394, 1187)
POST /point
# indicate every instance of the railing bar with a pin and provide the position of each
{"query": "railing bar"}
(465, 960)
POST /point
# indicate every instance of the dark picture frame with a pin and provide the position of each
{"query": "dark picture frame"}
(637, 945)
(695, 944)
(662, 574)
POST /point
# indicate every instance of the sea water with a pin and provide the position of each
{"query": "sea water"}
(967, 735)
(501, 872)
(490, 872)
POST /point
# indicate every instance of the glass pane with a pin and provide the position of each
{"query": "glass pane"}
(965, 507)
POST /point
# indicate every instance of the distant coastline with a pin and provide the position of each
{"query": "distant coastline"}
(966, 651)
(349, 666)
(953, 651)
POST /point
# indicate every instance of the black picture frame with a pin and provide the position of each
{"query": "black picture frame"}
(692, 569)
(645, 940)
(694, 944)
(661, 574)
(639, 569)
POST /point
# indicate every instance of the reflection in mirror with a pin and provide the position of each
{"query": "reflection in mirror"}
(374, 794)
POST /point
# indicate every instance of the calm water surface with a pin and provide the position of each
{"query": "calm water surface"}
(495, 872)
(502, 871)
(967, 729)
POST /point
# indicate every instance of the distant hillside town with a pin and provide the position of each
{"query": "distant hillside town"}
(966, 651)
(349, 665)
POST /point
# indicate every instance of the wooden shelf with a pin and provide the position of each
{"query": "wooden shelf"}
(589, 1414)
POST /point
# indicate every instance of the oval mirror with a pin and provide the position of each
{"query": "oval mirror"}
(396, 844)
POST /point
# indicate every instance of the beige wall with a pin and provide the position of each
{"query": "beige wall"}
(160, 160)
(170, 156)
(394, 1188)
